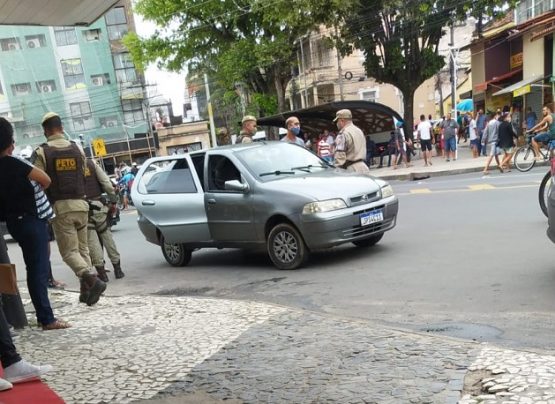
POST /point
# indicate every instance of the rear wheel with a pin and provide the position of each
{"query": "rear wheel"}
(176, 255)
(524, 158)
(368, 242)
(544, 190)
(286, 247)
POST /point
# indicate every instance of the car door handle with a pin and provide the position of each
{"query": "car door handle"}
(148, 202)
(211, 201)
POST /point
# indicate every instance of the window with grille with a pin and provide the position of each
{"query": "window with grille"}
(73, 73)
(21, 89)
(81, 115)
(369, 95)
(65, 36)
(132, 111)
(125, 69)
(116, 23)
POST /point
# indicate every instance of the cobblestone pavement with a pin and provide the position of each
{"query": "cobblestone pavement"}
(195, 350)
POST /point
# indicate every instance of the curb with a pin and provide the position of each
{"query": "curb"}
(421, 175)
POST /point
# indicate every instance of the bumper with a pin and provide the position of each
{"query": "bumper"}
(148, 229)
(332, 228)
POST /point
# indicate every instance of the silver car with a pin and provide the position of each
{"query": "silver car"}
(272, 195)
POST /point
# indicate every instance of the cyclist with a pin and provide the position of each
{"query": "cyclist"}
(545, 131)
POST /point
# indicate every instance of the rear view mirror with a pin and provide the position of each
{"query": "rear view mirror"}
(236, 185)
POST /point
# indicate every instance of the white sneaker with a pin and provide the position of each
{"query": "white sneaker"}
(5, 385)
(23, 371)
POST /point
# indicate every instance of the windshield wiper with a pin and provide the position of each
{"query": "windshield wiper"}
(277, 172)
(307, 168)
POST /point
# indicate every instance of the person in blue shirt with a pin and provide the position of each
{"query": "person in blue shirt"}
(125, 184)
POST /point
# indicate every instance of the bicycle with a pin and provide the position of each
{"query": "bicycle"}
(525, 156)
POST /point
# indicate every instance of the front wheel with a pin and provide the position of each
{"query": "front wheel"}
(177, 255)
(286, 247)
(544, 190)
(369, 241)
(525, 158)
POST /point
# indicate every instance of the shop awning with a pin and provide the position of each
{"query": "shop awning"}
(478, 88)
(53, 12)
(520, 88)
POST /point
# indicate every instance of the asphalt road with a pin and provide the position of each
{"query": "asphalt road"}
(468, 258)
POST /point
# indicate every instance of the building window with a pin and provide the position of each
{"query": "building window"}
(100, 79)
(21, 89)
(369, 94)
(92, 35)
(35, 41)
(132, 111)
(31, 131)
(108, 122)
(81, 115)
(65, 36)
(73, 73)
(116, 23)
(8, 44)
(125, 69)
(323, 54)
(46, 86)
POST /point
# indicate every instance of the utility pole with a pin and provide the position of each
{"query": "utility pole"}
(304, 74)
(452, 68)
(210, 113)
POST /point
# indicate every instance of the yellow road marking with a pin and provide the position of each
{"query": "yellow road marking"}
(421, 191)
(480, 187)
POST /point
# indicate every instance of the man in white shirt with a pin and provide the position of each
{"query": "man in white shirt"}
(473, 135)
(425, 138)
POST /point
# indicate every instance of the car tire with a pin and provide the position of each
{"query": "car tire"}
(542, 194)
(286, 247)
(369, 241)
(177, 255)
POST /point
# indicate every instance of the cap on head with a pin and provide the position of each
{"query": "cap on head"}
(343, 114)
(49, 115)
(248, 118)
(134, 164)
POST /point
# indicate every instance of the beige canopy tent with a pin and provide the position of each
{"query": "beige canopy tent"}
(53, 12)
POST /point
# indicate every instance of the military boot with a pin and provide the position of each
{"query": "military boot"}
(117, 271)
(95, 287)
(102, 274)
(84, 291)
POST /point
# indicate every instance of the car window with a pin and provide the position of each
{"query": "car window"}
(167, 177)
(220, 170)
(198, 162)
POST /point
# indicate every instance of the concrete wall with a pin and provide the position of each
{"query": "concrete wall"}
(185, 136)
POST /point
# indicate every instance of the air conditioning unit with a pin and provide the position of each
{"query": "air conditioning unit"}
(47, 88)
(33, 43)
(111, 124)
(98, 81)
(12, 46)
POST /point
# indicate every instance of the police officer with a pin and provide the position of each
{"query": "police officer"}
(350, 144)
(99, 233)
(64, 162)
(248, 129)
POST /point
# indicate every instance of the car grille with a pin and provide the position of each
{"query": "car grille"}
(364, 198)
(373, 208)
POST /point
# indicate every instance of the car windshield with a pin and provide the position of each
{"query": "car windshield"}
(280, 159)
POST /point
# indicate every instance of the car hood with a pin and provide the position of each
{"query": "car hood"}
(328, 184)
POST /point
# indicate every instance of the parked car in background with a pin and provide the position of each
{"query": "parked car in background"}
(272, 195)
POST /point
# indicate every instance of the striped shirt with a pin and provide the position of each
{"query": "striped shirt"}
(44, 209)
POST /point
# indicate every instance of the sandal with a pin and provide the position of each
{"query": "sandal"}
(56, 325)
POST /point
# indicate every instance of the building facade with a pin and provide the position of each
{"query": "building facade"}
(84, 74)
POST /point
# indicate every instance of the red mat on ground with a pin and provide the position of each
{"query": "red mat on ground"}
(35, 392)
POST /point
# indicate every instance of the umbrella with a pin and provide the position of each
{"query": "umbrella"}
(465, 105)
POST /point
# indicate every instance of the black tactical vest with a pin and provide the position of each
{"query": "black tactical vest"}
(66, 168)
(92, 186)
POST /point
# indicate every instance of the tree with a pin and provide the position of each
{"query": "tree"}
(400, 39)
(232, 40)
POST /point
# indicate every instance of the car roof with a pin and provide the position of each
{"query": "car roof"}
(236, 147)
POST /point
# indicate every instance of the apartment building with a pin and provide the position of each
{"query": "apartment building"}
(85, 74)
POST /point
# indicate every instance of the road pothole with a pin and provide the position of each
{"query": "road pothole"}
(184, 291)
(475, 332)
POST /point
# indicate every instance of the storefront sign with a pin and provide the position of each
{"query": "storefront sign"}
(543, 31)
(522, 90)
(516, 60)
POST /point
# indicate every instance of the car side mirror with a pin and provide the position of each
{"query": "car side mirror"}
(236, 185)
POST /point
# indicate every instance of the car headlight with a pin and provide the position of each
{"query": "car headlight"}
(323, 206)
(387, 191)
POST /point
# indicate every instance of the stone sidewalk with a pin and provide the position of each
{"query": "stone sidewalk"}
(166, 350)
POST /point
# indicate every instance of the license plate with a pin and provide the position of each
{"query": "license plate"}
(371, 217)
